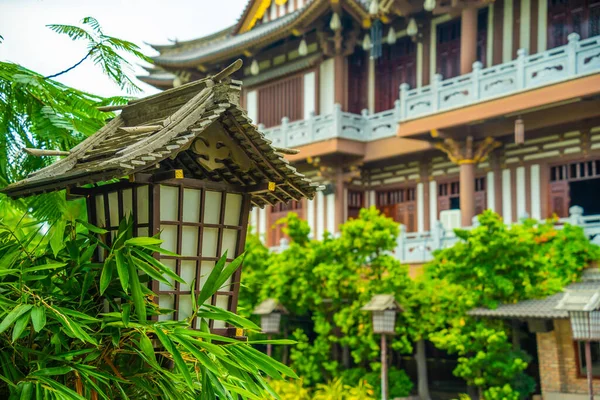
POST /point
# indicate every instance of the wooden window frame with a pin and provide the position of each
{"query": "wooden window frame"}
(155, 222)
(579, 361)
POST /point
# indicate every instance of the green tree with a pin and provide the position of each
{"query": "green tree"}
(493, 264)
(36, 111)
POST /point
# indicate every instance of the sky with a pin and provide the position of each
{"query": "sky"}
(27, 40)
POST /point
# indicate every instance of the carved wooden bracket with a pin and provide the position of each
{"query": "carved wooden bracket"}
(215, 145)
(469, 152)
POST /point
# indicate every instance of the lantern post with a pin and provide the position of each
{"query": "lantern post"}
(583, 307)
(270, 312)
(186, 164)
(384, 309)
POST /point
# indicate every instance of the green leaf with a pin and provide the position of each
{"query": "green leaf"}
(210, 286)
(13, 315)
(52, 371)
(126, 313)
(122, 270)
(143, 241)
(147, 348)
(106, 275)
(20, 326)
(58, 233)
(92, 228)
(159, 266)
(27, 391)
(229, 270)
(136, 292)
(44, 267)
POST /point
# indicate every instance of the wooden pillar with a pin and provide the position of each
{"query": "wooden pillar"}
(340, 199)
(468, 39)
(467, 192)
(339, 66)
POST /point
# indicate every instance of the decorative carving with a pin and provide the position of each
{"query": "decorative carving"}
(215, 145)
(470, 152)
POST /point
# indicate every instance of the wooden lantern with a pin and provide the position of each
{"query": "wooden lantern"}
(270, 312)
(384, 309)
(187, 164)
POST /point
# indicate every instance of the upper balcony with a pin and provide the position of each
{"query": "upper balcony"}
(576, 59)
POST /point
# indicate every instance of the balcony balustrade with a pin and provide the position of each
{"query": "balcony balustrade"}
(418, 247)
(575, 59)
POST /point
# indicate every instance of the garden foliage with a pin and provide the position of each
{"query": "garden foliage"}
(73, 328)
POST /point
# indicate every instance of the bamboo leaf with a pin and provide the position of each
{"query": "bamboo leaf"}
(43, 267)
(147, 348)
(229, 270)
(92, 228)
(126, 314)
(20, 326)
(143, 241)
(122, 270)
(13, 315)
(210, 286)
(52, 371)
(136, 292)
(38, 317)
(106, 275)
(158, 265)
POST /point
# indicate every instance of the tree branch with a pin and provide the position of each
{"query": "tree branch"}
(73, 66)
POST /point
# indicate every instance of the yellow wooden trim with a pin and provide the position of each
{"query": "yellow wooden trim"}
(465, 161)
(280, 2)
(271, 186)
(256, 13)
(178, 174)
(366, 23)
(434, 133)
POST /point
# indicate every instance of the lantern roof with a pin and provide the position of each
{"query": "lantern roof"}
(581, 300)
(197, 129)
(382, 302)
(269, 306)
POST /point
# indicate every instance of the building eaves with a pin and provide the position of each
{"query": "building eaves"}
(282, 70)
(541, 308)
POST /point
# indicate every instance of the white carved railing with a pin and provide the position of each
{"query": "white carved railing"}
(418, 247)
(575, 59)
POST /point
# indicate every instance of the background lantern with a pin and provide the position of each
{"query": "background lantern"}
(187, 164)
(384, 309)
(583, 307)
(270, 312)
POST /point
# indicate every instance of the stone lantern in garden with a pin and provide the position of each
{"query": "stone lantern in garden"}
(384, 309)
(187, 164)
(270, 312)
(583, 307)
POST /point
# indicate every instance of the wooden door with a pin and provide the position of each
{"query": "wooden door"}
(480, 195)
(448, 196)
(400, 205)
(568, 16)
(407, 216)
(397, 65)
(283, 98)
(448, 49)
(355, 203)
(559, 199)
(358, 65)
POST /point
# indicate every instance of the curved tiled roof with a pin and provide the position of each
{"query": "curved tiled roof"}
(541, 308)
(160, 130)
(239, 42)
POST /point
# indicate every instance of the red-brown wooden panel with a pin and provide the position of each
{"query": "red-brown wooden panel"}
(284, 98)
(358, 65)
(568, 16)
(397, 65)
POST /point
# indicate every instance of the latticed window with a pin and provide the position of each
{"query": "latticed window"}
(355, 202)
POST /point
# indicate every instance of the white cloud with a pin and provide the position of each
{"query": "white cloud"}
(29, 42)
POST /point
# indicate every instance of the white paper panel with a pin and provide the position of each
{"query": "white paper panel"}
(113, 208)
(233, 208)
(191, 205)
(188, 274)
(229, 243)
(222, 302)
(100, 216)
(169, 199)
(185, 307)
(206, 268)
(189, 241)
(212, 207)
(166, 301)
(171, 265)
(143, 232)
(209, 242)
(169, 237)
(127, 202)
(143, 205)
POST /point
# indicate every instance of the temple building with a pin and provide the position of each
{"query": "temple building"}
(432, 111)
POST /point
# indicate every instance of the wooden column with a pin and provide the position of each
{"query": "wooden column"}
(340, 199)
(340, 97)
(467, 192)
(468, 39)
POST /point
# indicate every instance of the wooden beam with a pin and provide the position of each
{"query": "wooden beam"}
(42, 153)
